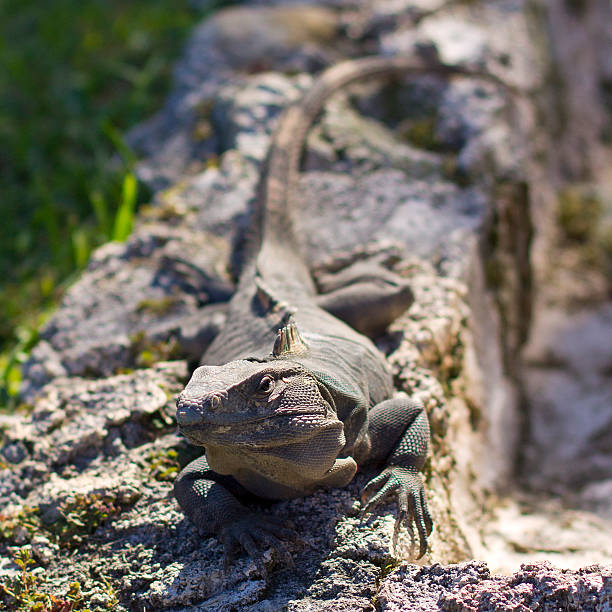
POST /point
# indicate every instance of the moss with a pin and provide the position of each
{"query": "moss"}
(168, 212)
(146, 353)
(385, 571)
(494, 273)
(27, 592)
(81, 514)
(204, 109)
(157, 306)
(203, 129)
(164, 464)
(420, 132)
(453, 172)
(450, 366)
(579, 211)
(112, 600)
(212, 161)
(23, 591)
(586, 226)
(78, 515)
(22, 524)
(154, 353)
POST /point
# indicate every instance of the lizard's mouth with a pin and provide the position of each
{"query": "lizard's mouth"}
(189, 418)
(275, 429)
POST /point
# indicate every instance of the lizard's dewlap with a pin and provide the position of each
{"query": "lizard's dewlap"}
(288, 470)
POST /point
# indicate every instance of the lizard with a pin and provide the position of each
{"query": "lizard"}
(291, 396)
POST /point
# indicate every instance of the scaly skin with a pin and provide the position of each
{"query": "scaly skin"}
(292, 398)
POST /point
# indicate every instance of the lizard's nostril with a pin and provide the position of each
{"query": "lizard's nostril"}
(186, 415)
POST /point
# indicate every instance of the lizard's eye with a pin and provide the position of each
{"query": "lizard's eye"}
(266, 384)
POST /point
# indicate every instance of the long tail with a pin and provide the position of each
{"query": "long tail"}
(277, 191)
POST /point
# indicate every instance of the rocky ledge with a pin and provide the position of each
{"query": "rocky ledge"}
(455, 185)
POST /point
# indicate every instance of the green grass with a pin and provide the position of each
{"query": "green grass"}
(76, 74)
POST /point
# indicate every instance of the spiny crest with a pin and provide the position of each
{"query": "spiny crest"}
(288, 340)
(267, 302)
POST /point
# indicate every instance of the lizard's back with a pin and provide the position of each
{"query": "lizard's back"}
(275, 282)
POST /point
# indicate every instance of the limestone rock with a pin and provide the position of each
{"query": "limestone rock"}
(442, 179)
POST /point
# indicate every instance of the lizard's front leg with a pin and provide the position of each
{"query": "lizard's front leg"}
(399, 437)
(211, 502)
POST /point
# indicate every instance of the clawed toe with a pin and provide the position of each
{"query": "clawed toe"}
(407, 488)
(255, 534)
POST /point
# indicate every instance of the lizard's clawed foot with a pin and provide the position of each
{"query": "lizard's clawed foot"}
(407, 486)
(254, 534)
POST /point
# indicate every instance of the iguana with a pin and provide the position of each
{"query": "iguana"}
(292, 398)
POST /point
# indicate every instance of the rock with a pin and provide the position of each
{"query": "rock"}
(135, 305)
(439, 179)
(240, 39)
(566, 360)
(470, 586)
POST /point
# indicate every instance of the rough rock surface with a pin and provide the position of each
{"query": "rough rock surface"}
(568, 358)
(470, 586)
(446, 181)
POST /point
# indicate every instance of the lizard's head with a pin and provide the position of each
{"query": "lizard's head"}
(257, 405)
